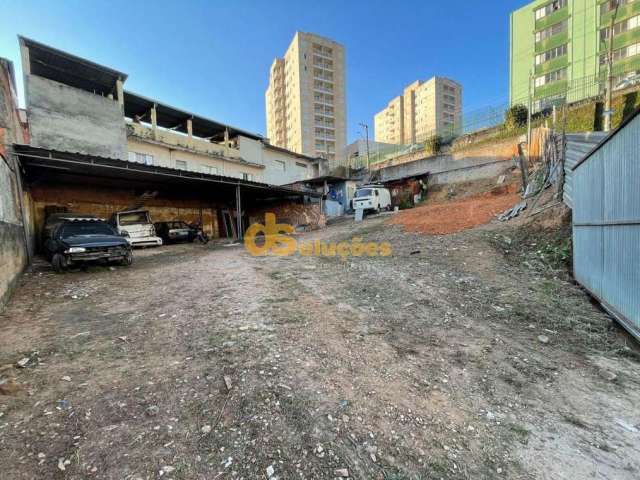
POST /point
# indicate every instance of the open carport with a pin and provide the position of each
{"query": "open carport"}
(69, 182)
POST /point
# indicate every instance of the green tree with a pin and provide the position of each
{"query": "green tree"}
(433, 144)
(516, 117)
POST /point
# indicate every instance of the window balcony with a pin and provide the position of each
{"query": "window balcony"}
(621, 40)
(552, 18)
(552, 42)
(553, 64)
(549, 89)
(624, 12)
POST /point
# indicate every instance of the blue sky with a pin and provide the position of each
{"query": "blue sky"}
(213, 57)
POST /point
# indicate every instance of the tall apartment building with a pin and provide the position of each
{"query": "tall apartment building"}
(564, 45)
(425, 109)
(305, 100)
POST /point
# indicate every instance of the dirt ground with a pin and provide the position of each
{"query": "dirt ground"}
(442, 216)
(453, 358)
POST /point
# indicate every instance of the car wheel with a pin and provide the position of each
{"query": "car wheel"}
(127, 259)
(58, 263)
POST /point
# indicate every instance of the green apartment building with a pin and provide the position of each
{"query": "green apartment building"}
(564, 45)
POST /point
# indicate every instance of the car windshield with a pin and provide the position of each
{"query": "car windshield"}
(366, 192)
(86, 228)
(132, 218)
(177, 225)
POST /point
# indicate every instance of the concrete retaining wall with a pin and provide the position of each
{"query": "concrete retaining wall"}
(445, 169)
(72, 120)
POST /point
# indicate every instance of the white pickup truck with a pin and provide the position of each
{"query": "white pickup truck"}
(136, 227)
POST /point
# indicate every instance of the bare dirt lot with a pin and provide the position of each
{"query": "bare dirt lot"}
(454, 358)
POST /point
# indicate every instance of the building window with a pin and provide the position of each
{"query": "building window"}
(611, 5)
(621, 27)
(301, 165)
(181, 165)
(550, 8)
(247, 176)
(551, 54)
(208, 169)
(621, 53)
(551, 77)
(280, 165)
(551, 31)
(143, 158)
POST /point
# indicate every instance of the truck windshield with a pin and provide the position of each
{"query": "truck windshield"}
(86, 228)
(132, 218)
(366, 192)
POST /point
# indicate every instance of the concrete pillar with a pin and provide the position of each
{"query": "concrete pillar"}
(190, 132)
(226, 142)
(239, 232)
(154, 122)
(120, 93)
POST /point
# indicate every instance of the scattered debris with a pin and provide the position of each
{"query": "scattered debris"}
(608, 375)
(66, 378)
(227, 382)
(206, 429)
(166, 469)
(341, 472)
(152, 410)
(513, 211)
(62, 464)
(627, 426)
(543, 339)
(9, 386)
(23, 362)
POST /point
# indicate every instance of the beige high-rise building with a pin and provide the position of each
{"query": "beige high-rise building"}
(423, 110)
(305, 100)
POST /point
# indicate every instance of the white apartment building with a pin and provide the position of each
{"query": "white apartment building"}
(305, 100)
(425, 109)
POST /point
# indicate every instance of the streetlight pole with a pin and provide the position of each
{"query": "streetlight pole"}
(609, 93)
(366, 130)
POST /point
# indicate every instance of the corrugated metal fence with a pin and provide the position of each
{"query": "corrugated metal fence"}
(577, 146)
(606, 225)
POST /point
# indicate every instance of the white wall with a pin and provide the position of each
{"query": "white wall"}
(164, 156)
(280, 167)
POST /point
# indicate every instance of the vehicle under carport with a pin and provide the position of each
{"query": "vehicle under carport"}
(56, 182)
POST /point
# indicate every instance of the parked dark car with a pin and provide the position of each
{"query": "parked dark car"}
(72, 240)
(175, 231)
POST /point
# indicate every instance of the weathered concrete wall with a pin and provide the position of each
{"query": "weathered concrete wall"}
(13, 256)
(72, 120)
(13, 253)
(445, 169)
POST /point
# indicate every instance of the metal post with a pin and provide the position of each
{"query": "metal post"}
(239, 232)
(529, 117)
(366, 130)
(609, 93)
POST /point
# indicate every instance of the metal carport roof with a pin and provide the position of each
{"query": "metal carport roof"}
(37, 161)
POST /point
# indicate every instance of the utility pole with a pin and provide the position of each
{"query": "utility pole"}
(609, 92)
(366, 129)
(529, 117)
